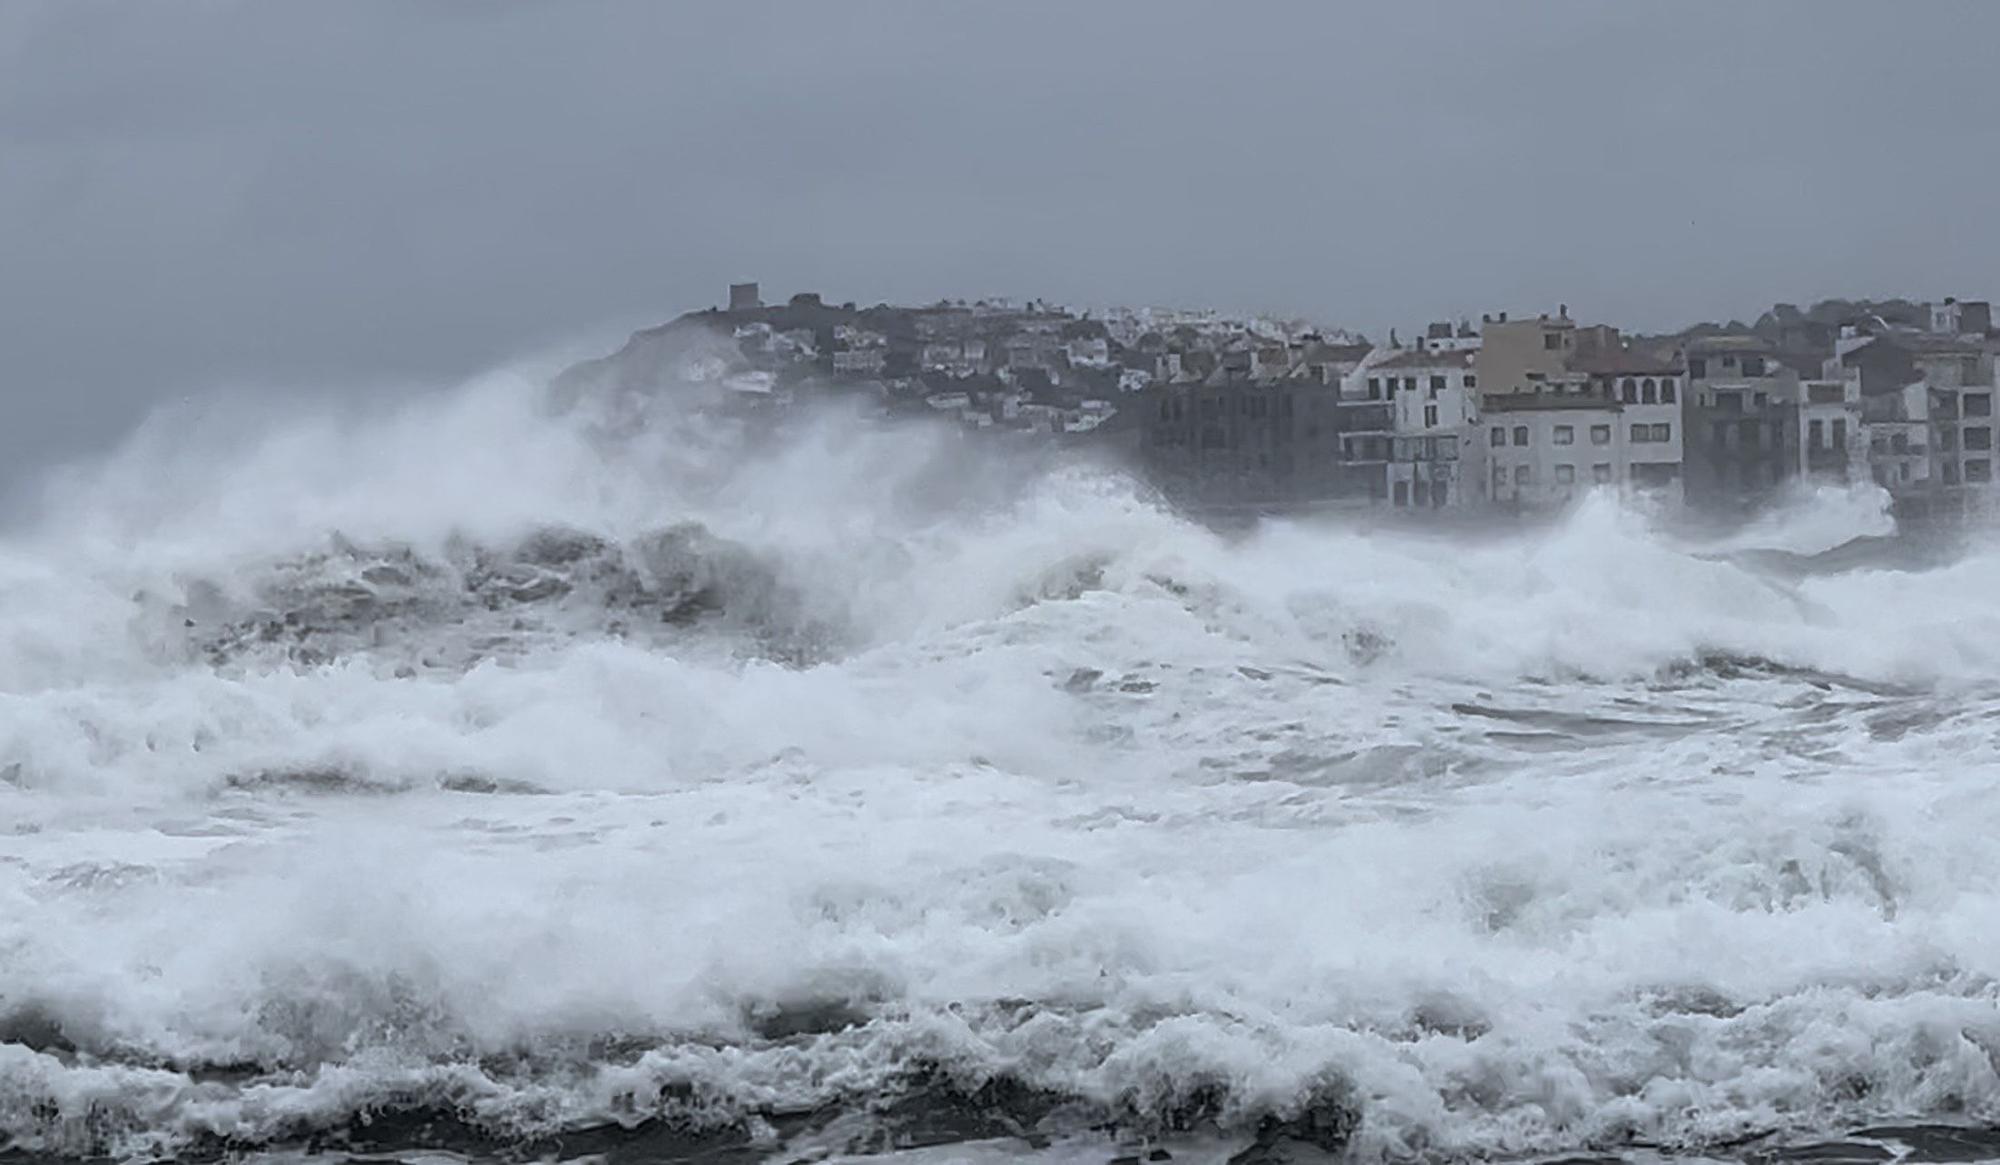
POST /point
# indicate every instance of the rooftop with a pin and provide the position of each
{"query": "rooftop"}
(1625, 362)
(1532, 402)
(1421, 359)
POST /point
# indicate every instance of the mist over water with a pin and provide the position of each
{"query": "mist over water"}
(568, 769)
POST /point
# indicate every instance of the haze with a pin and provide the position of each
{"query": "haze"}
(327, 198)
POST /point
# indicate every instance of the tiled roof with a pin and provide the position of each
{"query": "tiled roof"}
(1625, 362)
(1426, 360)
(1528, 402)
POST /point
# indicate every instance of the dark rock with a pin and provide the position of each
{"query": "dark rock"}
(1324, 1119)
(35, 1028)
(938, 1108)
(1940, 1144)
(812, 1017)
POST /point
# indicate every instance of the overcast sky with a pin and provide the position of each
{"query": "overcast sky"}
(322, 197)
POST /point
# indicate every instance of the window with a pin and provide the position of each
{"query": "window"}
(1649, 391)
(1437, 385)
(1978, 437)
(1565, 474)
(1600, 434)
(1641, 433)
(1662, 432)
(1520, 434)
(1978, 404)
(1903, 470)
(1900, 442)
(1601, 473)
(1410, 383)
(1697, 368)
(1753, 366)
(1762, 400)
(1816, 434)
(1521, 475)
(1430, 416)
(1947, 440)
(1551, 342)
(1979, 469)
(1374, 388)
(1565, 434)
(1499, 436)
(1471, 381)
(1667, 391)
(1840, 433)
(1402, 493)
(1630, 389)
(1951, 473)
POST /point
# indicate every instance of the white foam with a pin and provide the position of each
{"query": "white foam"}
(1311, 800)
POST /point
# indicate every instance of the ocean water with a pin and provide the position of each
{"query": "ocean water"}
(472, 777)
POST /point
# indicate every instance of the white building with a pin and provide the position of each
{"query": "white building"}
(1543, 450)
(860, 361)
(957, 358)
(1436, 460)
(1444, 337)
(1970, 318)
(854, 336)
(1092, 351)
(1833, 441)
(1648, 389)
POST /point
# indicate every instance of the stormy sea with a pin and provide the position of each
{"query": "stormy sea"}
(495, 776)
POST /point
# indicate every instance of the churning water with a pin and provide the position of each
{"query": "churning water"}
(482, 777)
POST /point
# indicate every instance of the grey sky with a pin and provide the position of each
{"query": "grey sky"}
(293, 197)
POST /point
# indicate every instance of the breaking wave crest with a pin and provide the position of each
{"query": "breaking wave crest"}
(518, 775)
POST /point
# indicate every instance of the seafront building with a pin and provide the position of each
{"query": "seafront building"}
(1513, 413)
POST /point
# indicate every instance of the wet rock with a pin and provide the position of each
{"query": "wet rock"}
(1939, 1144)
(935, 1107)
(539, 590)
(1365, 645)
(326, 782)
(1834, 1153)
(1195, 1106)
(785, 1021)
(35, 1028)
(1324, 1120)
(560, 547)
(1450, 1016)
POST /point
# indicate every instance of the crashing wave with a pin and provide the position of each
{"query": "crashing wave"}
(475, 603)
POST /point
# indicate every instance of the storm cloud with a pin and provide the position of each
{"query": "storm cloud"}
(332, 197)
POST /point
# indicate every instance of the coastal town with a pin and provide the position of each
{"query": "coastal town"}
(1512, 412)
